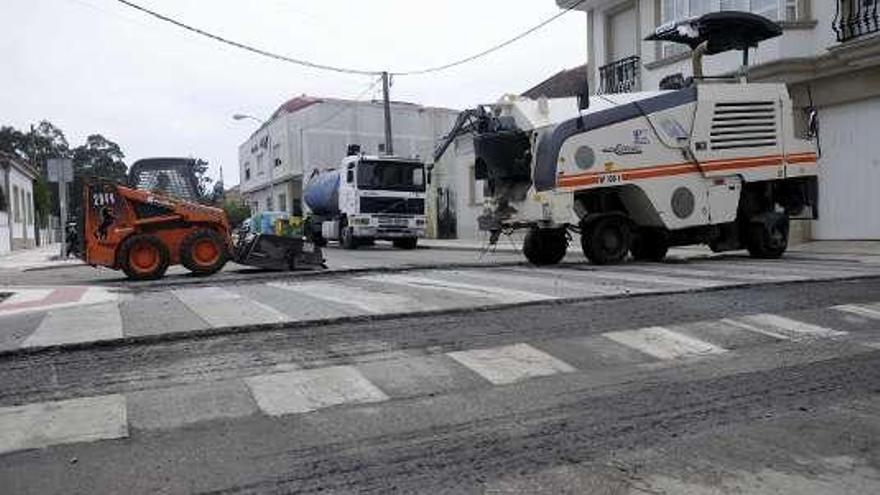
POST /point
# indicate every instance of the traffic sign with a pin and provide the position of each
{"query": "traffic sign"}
(60, 170)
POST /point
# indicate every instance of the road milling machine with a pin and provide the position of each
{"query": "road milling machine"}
(704, 160)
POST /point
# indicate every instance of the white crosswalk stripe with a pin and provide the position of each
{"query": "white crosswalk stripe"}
(794, 329)
(511, 363)
(859, 310)
(78, 324)
(222, 308)
(663, 343)
(752, 328)
(43, 424)
(488, 291)
(304, 391)
(370, 301)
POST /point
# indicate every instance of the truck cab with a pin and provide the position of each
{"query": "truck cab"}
(368, 198)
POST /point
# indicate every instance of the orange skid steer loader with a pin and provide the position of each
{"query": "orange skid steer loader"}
(142, 233)
(156, 222)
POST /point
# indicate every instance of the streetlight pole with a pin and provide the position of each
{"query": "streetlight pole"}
(241, 116)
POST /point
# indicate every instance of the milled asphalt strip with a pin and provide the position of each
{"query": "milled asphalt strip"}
(296, 276)
(296, 325)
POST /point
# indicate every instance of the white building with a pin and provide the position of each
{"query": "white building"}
(829, 54)
(306, 133)
(17, 209)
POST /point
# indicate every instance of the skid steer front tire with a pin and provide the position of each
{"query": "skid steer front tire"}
(143, 257)
(203, 252)
(545, 246)
(606, 240)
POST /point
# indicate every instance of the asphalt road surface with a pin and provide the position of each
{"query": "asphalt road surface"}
(754, 389)
(382, 255)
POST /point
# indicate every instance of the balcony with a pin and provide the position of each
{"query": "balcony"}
(854, 18)
(621, 76)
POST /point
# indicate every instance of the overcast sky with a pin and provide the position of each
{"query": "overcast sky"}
(96, 66)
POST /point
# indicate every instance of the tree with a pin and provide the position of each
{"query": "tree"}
(97, 158)
(200, 169)
(43, 141)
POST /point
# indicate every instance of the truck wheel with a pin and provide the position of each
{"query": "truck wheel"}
(606, 241)
(768, 238)
(143, 257)
(203, 252)
(649, 246)
(545, 246)
(406, 243)
(347, 239)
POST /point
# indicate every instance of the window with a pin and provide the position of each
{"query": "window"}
(276, 155)
(260, 164)
(247, 173)
(16, 204)
(677, 10)
(30, 210)
(282, 202)
(269, 205)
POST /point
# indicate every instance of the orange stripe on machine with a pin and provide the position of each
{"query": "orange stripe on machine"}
(592, 178)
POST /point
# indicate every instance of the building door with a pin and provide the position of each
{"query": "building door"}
(849, 172)
(446, 220)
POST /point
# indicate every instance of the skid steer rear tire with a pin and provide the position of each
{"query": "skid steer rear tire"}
(545, 246)
(768, 237)
(203, 252)
(606, 240)
(143, 257)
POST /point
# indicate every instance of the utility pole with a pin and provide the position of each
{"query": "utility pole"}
(389, 143)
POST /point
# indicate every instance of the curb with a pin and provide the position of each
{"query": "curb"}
(296, 325)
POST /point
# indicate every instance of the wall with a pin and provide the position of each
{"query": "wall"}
(22, 230)
(4, 232)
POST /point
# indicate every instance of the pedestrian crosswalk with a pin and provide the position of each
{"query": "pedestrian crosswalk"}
(101, 315)
(301, 388)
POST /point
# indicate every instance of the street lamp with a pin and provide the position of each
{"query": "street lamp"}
(243, 116)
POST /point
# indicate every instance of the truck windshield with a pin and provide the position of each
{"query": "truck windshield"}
(391, 176)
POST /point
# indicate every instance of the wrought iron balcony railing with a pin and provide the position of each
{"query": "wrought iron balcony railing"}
(620, 76)
(855, 18)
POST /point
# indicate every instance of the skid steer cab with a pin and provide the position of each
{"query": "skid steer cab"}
(704, 160)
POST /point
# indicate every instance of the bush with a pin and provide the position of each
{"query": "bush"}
(236, 212)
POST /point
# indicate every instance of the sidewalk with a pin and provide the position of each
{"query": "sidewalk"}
(41, 257)
(864, 250)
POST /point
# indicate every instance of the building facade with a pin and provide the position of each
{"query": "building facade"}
(308, 133)
(17, 224)
(829, 56)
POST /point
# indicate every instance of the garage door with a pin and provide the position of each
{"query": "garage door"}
(849, 181)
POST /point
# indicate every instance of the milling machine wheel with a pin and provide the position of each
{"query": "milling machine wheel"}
(768, 239)
(143, 257)
(606, 240)
(203, 252)
(648, 245)
(545, 246)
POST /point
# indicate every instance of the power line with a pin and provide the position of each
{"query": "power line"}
(258, 51)
(493, 48)
(344, 70)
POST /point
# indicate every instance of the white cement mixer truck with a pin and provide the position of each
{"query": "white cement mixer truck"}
(367, 198)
